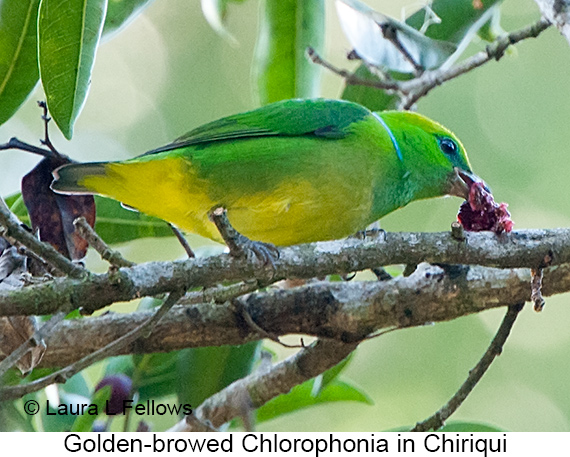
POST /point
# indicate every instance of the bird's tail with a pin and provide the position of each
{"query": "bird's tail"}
(71, 179)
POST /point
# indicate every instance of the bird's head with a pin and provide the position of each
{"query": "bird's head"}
(433, 156)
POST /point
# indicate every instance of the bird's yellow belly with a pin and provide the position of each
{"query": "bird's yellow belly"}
(293, 211)
(296, 212)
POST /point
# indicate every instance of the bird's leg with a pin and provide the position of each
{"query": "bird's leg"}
(240, 245)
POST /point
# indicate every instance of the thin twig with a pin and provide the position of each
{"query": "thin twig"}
(96, 242)
(64, 374)
(15, 230)
(182, 241)
(416, 88)
(38, 336)
(391, 34)
(45, 117)
(220, 294)
(536, 286)
(15, 143)
(437, 421)
(412, 90)
(349, 77)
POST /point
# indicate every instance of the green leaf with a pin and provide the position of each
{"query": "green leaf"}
(322, 380)
(301, 396)
(373, 99)
(53, 422)
(155, 375)
(18, 53)
(459, 426)
(287, 27)
(121, 12)
(201, 372)
(457, 17)
(456, 426)
(115, 224)
(84, 422)
(365, 27)
(12, 419)
(69, 33)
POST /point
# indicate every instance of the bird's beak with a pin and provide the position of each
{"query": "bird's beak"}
(462, 181)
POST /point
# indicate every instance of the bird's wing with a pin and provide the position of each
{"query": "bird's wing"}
(297, 117)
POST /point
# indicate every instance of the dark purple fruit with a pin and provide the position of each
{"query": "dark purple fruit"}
(121, 386)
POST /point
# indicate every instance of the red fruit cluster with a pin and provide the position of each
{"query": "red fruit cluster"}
(481, 212)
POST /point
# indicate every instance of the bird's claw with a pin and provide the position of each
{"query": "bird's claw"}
(265, 252)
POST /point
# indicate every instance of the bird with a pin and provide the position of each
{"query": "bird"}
(291, 172)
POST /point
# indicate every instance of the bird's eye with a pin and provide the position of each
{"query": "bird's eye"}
(448, 146)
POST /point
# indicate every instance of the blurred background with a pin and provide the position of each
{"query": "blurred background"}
(169, 72)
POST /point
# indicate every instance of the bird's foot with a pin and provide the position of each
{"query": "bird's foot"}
(241, 246)
(371, 233)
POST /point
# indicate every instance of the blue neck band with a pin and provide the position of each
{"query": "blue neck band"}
(392, 137)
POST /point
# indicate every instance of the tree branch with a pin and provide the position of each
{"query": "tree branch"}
(261, 386)
(557, 12)
(495, 348)
(12, 228)
(528, 248)
(61, 376)
(341, 311)
(412, 90)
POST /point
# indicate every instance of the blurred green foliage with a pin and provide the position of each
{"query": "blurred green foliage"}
(169, 71)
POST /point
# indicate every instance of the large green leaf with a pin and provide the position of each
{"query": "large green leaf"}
(69, 33)
(115, 224)
(154, 375)
(121, 12)
(287, 28)
(18, 53)
(302, 396)
(12, 419)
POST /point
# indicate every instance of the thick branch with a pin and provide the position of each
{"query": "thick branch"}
(342, 311)
(531, 248)
(61, 376)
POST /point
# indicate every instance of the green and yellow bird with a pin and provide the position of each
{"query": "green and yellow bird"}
(291, 172)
